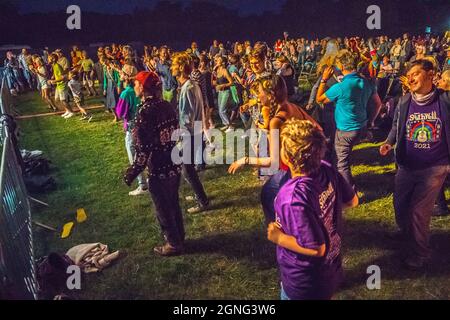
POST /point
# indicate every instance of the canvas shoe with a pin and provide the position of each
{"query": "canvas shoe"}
(137, 192)
(198, 208)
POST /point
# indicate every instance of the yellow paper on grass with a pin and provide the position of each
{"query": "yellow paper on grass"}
(66, 230)
(81, 215)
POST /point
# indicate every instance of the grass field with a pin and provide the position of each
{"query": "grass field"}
(228, 256)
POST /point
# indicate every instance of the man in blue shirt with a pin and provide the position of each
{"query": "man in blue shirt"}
(357, 105)
(169, 84)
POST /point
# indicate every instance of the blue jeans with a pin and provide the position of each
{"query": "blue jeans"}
(131, 151)
(223, 101)
(269, 192)
(283, 295)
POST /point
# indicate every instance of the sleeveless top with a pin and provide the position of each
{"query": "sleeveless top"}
(283, 166)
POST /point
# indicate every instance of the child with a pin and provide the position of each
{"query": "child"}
(76, 89)
(42, 77)
(308, 212)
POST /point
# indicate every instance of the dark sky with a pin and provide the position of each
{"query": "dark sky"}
(124, 6)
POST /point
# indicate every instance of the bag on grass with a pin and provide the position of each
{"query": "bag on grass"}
(52, 274)
(39, 183)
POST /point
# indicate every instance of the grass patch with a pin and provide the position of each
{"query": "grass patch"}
(228, 256)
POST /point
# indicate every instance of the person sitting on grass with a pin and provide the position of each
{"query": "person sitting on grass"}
(308, 216)
(76, 88)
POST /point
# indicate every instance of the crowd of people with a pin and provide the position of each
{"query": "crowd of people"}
(400, 85)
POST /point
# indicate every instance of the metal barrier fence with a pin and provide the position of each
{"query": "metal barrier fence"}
(17, 268)
(6, 105)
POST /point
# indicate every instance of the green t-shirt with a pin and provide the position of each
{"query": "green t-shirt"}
(87, 65)
(58, 72)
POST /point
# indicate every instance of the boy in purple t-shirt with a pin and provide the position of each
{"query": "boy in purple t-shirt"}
(308, 213)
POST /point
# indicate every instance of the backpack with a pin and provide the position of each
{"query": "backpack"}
(51, 275)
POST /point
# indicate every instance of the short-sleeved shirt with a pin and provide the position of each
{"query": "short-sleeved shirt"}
(58, 73)
(351, 96)
(167, 79)
(309, 208)
(426, 144)
(87, 65)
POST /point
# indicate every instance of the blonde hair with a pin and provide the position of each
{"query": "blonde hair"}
(329, 57)
(183, 60)
(445, 76)
(303, 144)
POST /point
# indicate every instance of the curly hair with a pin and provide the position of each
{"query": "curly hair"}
(303, 144)
(273, 85)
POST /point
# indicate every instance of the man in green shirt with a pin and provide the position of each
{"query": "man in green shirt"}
(61, 92)
(87, 67)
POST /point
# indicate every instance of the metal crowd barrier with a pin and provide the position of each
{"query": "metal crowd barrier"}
(17, 267)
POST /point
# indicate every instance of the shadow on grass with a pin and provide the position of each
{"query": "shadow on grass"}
(375, 185)
(371, 156)
(370, 235)
(251, 245)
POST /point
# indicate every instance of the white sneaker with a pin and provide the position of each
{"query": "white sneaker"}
(69, 115)
(230, 129)
(138, 192)
(65, 114)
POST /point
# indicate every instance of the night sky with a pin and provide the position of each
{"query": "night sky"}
(227, 20)
(120, 6)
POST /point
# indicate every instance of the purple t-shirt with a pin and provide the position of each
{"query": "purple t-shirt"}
(426, 145)
(309, 208)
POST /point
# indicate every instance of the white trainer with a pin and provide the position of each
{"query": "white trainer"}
(138, 192)
(65, 114)
(69, 115)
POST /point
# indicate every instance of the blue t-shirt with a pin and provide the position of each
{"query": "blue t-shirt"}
(309, 208)
(426, 144)
(168, 81)
(351, 97)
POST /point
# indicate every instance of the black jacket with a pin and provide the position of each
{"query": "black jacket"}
(397, 135)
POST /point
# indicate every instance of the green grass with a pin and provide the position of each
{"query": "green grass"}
(228, 256)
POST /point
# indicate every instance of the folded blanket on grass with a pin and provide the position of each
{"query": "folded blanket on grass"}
(92, 257)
